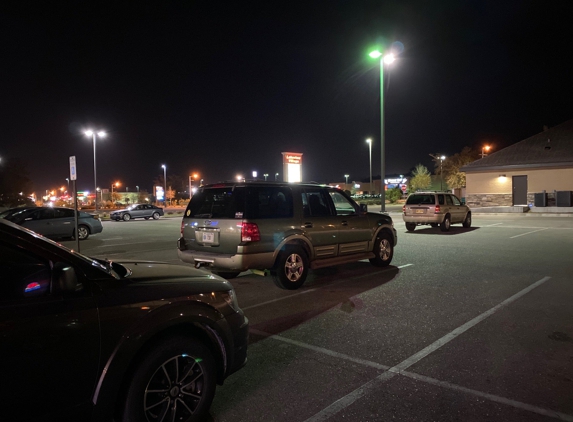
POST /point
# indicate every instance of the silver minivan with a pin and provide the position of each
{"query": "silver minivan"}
(281, 227)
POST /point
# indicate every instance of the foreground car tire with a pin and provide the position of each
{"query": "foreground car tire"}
(291, 269)
(383, 249)
(410, 227)
(155, 215)
(174, 381)
(126, 217)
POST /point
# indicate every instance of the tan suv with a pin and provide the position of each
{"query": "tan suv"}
(282, 227)
(435, 208)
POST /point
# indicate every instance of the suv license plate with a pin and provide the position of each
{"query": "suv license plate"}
(208, 237)
(419, 211)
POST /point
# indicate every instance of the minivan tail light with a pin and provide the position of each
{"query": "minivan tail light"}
(404, 209)
(182, 227)
(250, 232)
(437, 209)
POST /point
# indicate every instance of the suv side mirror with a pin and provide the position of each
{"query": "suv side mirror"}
(65, 279)
(363, 208)
(463, 201)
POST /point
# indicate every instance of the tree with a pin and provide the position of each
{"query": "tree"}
(15, 183)
(393, 194)
(451, 167)
(421, 178)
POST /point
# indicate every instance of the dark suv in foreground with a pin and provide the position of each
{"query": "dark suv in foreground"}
(93, 340)
(283, 227)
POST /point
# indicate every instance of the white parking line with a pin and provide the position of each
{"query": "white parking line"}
(523, 234)
(399, 369)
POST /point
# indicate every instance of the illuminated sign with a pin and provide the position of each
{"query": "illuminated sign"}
(292, 166)
(159, 194)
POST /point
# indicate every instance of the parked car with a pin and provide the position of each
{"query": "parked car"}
(146, 211)
(283, 227)
(89, 339)
(435, 208)
(55, 222)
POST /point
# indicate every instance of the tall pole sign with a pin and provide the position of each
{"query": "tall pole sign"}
(73, 177)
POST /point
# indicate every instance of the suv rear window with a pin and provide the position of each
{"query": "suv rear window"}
(420, 199)
(252, 202)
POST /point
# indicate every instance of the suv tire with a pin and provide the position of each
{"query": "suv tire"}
(291, 268)
(445, 226)
(468, 220)
(195, 364)
(410, 227)
(383, 249)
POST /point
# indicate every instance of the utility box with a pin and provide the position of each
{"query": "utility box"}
(564, 198)
(540, 199)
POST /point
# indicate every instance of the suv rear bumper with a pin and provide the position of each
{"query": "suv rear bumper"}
(423, 219)
(226, 262)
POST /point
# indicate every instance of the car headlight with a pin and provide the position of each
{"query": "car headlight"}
(231, 299)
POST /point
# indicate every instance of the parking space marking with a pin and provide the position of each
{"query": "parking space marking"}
(399, 369)
(523, 234)
(312, 290)
(491, 225)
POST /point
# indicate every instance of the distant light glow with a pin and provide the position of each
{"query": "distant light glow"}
(389, 58)
(375, 54)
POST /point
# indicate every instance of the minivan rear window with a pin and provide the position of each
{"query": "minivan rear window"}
(252, 202)
(420, 199)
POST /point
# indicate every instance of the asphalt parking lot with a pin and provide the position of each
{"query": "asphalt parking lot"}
(473, 324)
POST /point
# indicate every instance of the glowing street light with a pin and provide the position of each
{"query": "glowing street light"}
(191, 177)
(441, 158)
(346, 176)
(276, 176)
(94, 134)
(484, 150)
(384, 59)
(266, 175)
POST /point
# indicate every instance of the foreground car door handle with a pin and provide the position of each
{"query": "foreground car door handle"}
(344, 223)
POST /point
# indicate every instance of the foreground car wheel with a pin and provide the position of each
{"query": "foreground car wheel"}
(175, 381)
(445, 226)
(383, 249)
(291, 269)
(126, 217)
(410, 227)
(468, 221)
(155, 215)
(83, 232)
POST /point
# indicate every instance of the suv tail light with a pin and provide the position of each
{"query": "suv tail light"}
(404, 209)
(250, 232)
(437, 209)
(182, 227)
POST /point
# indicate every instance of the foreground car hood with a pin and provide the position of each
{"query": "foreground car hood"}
(122, 210)
(151, 272)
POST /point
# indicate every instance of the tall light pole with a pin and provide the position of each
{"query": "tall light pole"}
(346, 176)
(384, 59)
(164, 184)
(276, 175)
(93, 134)
(484, 150)
(441, 158)
(266, 175)
(369, 141)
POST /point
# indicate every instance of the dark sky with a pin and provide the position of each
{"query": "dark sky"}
(223, 87)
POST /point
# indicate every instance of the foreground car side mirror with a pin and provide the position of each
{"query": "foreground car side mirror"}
(66, 279)
(363, 208)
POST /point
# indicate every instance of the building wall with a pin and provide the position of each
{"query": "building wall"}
(488, 189)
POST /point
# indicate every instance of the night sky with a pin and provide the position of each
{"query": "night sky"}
(223, 87)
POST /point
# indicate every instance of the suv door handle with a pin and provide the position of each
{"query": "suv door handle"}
(308, 225)
(344, 223)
